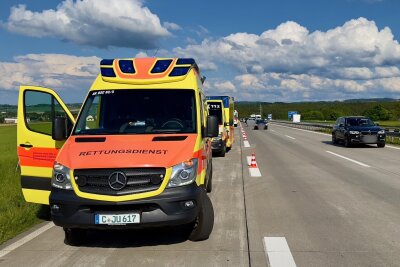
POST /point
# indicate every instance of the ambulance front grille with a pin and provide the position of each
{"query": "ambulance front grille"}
(130, 180)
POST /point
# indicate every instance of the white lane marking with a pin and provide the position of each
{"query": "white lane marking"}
(290, 137)
(278, 252)
(301, 130)
(246, 143)
(248, 160)
(25, 239)
(254, 172)
(273, 131)
(393, 147)
(346, 158)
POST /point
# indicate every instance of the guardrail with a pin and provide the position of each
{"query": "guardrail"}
(390, 132)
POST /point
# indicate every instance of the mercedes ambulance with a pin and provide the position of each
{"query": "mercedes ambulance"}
(138, 154)
(215, 108)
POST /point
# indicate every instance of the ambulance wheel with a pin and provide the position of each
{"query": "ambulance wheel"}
(73, 236)
(223, 150)
(209, 181)
(204, 223)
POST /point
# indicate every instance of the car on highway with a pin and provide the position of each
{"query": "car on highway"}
(357, 130)
(260, 124)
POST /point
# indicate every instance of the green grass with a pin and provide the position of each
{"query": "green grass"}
(16, 215)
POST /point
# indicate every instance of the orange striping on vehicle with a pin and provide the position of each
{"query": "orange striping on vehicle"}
(200, 157)
(37, 156)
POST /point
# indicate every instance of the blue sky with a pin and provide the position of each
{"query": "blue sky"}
(285, 50)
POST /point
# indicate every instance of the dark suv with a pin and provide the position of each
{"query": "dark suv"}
(357, 130)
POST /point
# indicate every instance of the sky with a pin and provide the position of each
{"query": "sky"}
(286, 50)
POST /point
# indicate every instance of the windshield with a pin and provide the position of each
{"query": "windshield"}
(359, 122)
(215, 109)
(138, 112)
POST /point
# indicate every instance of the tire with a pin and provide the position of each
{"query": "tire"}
(381, 144)
(334, 140)
(204, 223)
(209, 181)
(347, 142)
(73, 236)
(223, 150)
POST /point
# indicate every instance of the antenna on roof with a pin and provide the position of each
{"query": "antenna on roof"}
(155, 53)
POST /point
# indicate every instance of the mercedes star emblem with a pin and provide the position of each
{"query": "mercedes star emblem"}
(117, 180)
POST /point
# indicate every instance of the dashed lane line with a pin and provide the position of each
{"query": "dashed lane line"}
(253, 171)
(349, 159)
(290, 137)
(278, 252)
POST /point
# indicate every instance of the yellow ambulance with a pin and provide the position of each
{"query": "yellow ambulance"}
(137, 155)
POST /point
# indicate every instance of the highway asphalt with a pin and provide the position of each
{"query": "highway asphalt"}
(315, 204)
(331, 210)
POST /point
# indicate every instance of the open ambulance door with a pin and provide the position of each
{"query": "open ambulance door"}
(38, 109)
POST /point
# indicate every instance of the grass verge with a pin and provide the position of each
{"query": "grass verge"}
(16, 215)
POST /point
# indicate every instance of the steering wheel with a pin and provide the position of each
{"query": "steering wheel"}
(175, 121)
(124, 126)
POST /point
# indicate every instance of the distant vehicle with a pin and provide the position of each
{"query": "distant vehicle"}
(260, 125)
(235, 118)
(358, 130)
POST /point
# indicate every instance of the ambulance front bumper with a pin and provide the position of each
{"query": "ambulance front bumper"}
(170, 208)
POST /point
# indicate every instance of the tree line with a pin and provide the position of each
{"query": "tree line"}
(330, 111)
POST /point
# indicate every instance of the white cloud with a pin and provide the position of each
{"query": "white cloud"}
(99, 23)
(171, 26)
(57, 71)
(225, 86)
(293, 63)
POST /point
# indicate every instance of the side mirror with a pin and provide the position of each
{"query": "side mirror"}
(59, 132)
(226, 124)
(341, 125)
(212, 126)
(377, 124)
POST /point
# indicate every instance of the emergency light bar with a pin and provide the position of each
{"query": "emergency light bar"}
(138, 70)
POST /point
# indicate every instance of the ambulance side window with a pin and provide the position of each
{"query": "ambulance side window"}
(201, 111)
(39, 110)
(92, 119)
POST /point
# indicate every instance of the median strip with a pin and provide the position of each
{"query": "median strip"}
(349, 159)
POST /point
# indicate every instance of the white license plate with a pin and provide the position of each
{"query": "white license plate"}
(117, 219)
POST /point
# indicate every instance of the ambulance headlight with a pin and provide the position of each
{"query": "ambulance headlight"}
(183, 173)
(61, 178)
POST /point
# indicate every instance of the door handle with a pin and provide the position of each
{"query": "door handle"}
(26, 145)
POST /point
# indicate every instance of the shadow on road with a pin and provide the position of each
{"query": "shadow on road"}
(135, 238)
(353, 145)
